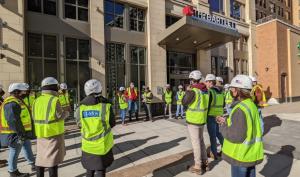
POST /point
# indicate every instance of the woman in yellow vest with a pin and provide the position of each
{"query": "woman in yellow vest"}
(64, 97)
(123, 104)
(147, 101)
(168, 98)
(179, 96)
(96, 119)
(243, 146)
(228, 98)
(49, 118)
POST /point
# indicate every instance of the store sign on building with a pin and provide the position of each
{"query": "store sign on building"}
(190, 11)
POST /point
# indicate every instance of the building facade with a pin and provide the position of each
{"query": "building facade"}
(149, 42)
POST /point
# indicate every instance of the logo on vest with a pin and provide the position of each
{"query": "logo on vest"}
(91, 113)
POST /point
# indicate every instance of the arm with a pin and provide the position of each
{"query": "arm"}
(12, 113)
(112, 120)
(77, 117)
(163, 98)
(237, 132)
(60, 113)
(151, 96)
(188, 98)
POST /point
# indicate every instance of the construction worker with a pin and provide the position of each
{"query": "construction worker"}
(123, 104)
(179, 96)
(147, 100)
(197, 99)
(219, 81)
(64, 97)
(215, 108)
(167, 98)
(30, 97)
(49, 118)
(2, 162)
(243, 146)
(16, 126)
(228, 98)
(96, 118)
(132, 96)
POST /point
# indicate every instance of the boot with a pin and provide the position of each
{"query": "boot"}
(136, 116)
(33, 168)
(18, 174)
(205, 166)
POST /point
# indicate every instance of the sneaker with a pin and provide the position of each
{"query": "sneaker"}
(195, 170)
(18, 174)
(205, 166)
(33, 168)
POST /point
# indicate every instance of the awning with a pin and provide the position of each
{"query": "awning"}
(190, 33)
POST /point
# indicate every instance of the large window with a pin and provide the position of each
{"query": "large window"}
(170, 20)
(138, 65)
(77, 71)
(42, 6)
(137, 19)
(42, 57)
(114, 13)
(219, 67)
(236, 10)
(216, 5)
(77, 9)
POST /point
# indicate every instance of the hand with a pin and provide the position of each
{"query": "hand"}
(220, 120)
(189, 88)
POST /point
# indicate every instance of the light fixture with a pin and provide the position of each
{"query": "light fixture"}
(195, 42)
(177, 39)
(209, 44)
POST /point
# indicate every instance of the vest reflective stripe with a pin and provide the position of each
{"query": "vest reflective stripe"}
(64, 99)
(46, 123)
(97, 137)
(216, 107)
(168, 97)
(122, 103)
(228, 98)
(29, 101)
(180, 95)
(147, 100)
(251, 150)
(24, 116)
(197, 111)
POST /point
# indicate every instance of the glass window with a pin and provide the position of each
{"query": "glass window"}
(35, 45)
(50, 7)
(42, 6)
(137, 19)
(170, 20)
(216, 5)
(77, 9)
(50, 49)
(84, 48)
(34, 5)
(236, 10)
(114, 14)
(71, 48)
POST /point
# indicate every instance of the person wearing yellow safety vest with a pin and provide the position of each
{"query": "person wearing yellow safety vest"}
(123, 104)
(147, 101)
(2, 162)
(132, 97)
(215, 108)
(228, 98)
(219, 82)
(168, 98)
(48, 117)
(64, 97)
(96, 118)
(179, 96)
(243, 146)
(196, 99)
(16, 125)
(30, 97)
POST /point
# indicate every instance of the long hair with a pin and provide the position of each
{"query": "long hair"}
(244, 93)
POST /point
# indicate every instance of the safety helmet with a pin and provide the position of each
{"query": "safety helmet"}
(180, 87)
(92, 86)
(49, 81)
(168, 86)
(210, 77)
(220, 79)
(63, 86)
(241, 81)
(16, 86)
(253, 78)
(122, 89)
(26, 86)
(196, 74)
(226, 86)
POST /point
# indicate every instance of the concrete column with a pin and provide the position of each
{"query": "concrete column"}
(97, 60)
(230, 58)
(204, 61)
(227, 7)
(61, 59)
(157, 64)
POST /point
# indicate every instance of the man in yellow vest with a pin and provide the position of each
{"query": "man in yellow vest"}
(179, 96)
(30, 97)
(243, 146)
(123, 104)
(64, 97)
(228, 98)
(196, 99)
(147, 101)
(215, 108)
(16, 125)
(96, 118)
(2, 162)
(49, 118)
(168, 98)
(132, 97)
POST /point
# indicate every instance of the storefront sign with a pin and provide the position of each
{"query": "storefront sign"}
(189, 11)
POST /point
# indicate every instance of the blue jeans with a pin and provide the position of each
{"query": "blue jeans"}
(214, 133)
(179, 108)
(123, 114)
(132, 105)
(14, 154)
(237, 171)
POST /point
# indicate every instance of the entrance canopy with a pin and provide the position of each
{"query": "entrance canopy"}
(190, 33)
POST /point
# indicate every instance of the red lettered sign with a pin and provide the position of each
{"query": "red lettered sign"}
(188, 11)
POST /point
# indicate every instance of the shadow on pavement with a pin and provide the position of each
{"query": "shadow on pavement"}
(279, 164)
(145, 152)
(270, 122)
(121, 135)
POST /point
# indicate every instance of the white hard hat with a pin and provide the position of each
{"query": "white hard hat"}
(49, 81)
(180, 86)
(196, 74)
(122, 89)
(63, 86)
(220, 79)
(26, 86)
(210, 77)
(226, 86)
(241, 81)
(92, 86)
(16, 86)
(253, 78)
(168, 85)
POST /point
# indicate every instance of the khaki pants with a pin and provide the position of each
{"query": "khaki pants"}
(199, 149)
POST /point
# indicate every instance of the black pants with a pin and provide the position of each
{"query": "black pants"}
(53, 171)
(93, 173)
